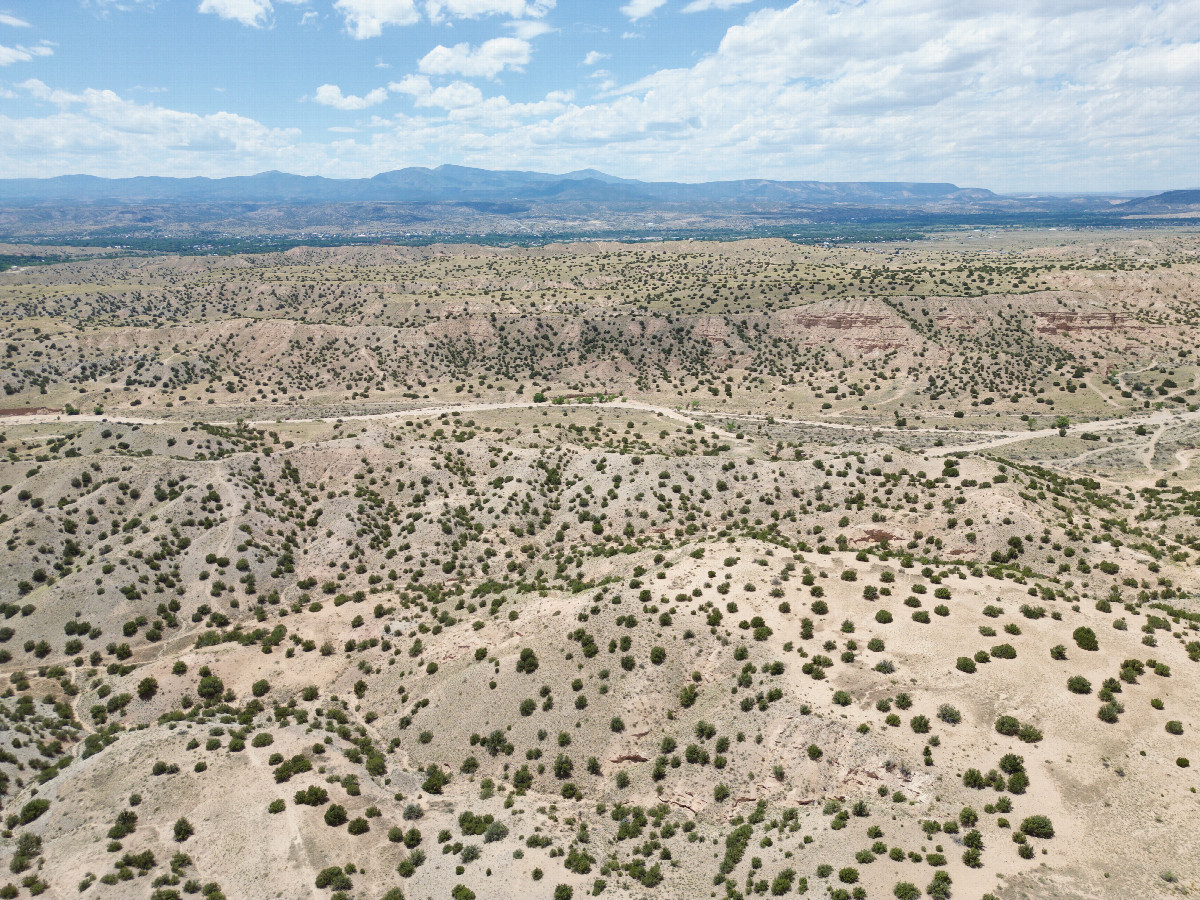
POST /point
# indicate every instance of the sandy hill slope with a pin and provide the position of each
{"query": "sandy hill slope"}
(491, 574)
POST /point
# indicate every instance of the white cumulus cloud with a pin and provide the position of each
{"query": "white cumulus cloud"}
(367, 18)
(501, 113)
(10, 55)
(331, 95)
(254, 13)
(528, 29)
(456, 95)
(593, 57)
(705, 5)
(453, 96)
(473, 9)
(487, 60)
(121, 137)
(415, 85)
(122, 5)
(639, 9)
(6, 19)
(1012, 95)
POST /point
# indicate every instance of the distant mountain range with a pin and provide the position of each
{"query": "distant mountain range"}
(459, 184)
(419, 203)
(1166, 203)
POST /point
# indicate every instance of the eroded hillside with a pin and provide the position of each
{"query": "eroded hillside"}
(681, 570)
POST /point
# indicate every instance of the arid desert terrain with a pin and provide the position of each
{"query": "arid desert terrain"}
(643, 570)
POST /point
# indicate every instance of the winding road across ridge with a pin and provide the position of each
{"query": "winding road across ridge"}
(1159, 419)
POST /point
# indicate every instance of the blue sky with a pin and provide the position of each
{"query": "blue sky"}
(1007, 94)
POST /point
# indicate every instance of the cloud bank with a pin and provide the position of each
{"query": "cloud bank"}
(1013, 95)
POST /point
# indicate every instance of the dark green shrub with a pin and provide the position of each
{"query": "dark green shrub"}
(32, 810)
(1085, 638)
(1029, 734)
(939, 888)
(334, 877)
(435, 779)
(1010, 763)
(335, 815)
(126, 823)
(210, 687)
(1077, 684)
(1037, 826)
(147, 688)
(782, 883)
(473, 825)
(312, 795)
(949, 714)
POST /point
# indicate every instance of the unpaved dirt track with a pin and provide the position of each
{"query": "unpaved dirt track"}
(996, 439)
